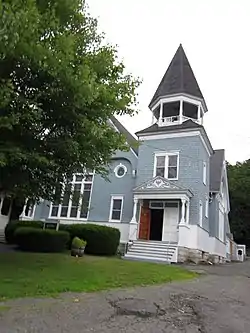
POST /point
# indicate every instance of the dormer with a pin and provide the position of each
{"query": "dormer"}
(178, 97)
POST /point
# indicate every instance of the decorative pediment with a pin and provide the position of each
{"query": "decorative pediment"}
(158, 183)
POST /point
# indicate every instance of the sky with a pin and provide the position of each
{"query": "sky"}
(215, 37)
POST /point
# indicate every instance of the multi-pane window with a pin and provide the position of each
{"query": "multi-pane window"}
(116, 208)
(166, 165)
(75, 198)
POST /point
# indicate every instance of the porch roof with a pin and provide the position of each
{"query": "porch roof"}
(159, 185)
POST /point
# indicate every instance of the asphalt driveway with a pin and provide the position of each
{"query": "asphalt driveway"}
(218, 302)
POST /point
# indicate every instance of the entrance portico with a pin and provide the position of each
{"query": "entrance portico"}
(160, 207)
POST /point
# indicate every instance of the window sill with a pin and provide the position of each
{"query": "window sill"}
(113, 221)
(170, 179)
(67, 218)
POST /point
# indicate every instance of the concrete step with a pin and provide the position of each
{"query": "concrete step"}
(154, 243)
(152, 248)
(153, 258)
(146, 258)
(148, 250)
(150, 254)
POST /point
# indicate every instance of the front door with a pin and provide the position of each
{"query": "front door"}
(170, 223)
(144, 223)
(156, 224)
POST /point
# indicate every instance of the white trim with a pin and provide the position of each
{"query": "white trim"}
(206, 207)
(22, 216)
(133, 152)
(117, 168)
(177, 98)
(166, 166)
(204, 171)
(161, 196)
(155, 202)
(200, 214)
(158, 136)
(115, 197)
(126, 140)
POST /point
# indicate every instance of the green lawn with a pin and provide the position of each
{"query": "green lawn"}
(30, 274)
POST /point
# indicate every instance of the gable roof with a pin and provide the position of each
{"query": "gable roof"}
(179, 78)
(161, 184)
(189, 124)
(216, 168)
(131, 140)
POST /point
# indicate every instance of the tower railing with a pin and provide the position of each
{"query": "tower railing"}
(175, 120)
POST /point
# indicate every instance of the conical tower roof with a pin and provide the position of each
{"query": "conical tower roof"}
(179, 78)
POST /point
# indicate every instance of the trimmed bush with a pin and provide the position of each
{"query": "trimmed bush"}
(101, 240)
(39, 240)
(78, 243)
(12, 226)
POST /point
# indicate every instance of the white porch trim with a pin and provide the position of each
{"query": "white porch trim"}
(152, 196)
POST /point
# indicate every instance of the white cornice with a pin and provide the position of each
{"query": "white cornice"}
(177, 97)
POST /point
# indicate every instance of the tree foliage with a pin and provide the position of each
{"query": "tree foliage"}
(239, 189)
(59, 85)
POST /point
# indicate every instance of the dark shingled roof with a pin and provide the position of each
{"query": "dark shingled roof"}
(216, 167)
(179, 78)
(131, 140)
(189, 124)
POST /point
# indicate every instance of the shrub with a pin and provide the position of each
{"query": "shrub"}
(39, 240)
(101, 240)
(12, 226)
(78, 243)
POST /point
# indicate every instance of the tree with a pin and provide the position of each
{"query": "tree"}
(59, 85)
(239, 190)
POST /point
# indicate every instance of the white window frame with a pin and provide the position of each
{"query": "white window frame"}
(31, 212)
(115, 197)
(206, 207)
(200, 213)
(166, 155)
(117, 168)
(68, 217)
(204, 170)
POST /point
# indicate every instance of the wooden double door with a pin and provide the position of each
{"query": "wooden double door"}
(151, 224)
(159, 224)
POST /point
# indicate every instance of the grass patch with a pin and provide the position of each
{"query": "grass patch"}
(36, 274)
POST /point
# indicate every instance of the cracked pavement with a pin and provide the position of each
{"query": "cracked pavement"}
(218, 301)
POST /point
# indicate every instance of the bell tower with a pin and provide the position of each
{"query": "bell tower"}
(178, 97)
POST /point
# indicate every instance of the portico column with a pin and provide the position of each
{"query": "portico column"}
(133, 225)
(181, 111)
(183, 204)
(133, 220)
(187, 212)
(161, 114)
